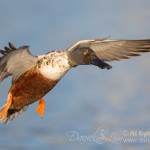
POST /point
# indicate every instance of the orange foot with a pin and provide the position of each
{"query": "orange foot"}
(6, 107)
(40, 108)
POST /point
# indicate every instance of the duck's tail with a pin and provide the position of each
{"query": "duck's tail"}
(7, 112)
(11, 114)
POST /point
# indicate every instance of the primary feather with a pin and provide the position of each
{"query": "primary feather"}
(15, 62)
(109, 50)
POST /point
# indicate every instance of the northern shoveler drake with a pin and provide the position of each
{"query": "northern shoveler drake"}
(35, 76)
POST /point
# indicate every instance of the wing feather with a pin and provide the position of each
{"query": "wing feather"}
(15, 62)
(109, 50)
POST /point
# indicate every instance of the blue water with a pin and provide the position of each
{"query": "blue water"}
(87, 98)
(82, 109)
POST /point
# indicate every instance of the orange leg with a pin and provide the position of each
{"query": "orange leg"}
(40, 108)
(7, 105)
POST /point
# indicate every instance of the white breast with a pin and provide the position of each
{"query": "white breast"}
(54, 64)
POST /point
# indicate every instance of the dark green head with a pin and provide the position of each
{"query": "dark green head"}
(81, 57)
(86, 57)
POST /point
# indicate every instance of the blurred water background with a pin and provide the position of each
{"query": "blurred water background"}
(87, 99)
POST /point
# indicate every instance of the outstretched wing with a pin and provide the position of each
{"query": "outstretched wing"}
(109, 50)
(15, 62)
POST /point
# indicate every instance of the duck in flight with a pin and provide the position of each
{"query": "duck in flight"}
(35, 76)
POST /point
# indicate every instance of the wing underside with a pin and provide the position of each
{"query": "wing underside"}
(15, 62)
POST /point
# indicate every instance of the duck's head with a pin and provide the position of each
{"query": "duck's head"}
(86, 57)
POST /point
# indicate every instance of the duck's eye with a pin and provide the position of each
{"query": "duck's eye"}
(85, 52)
